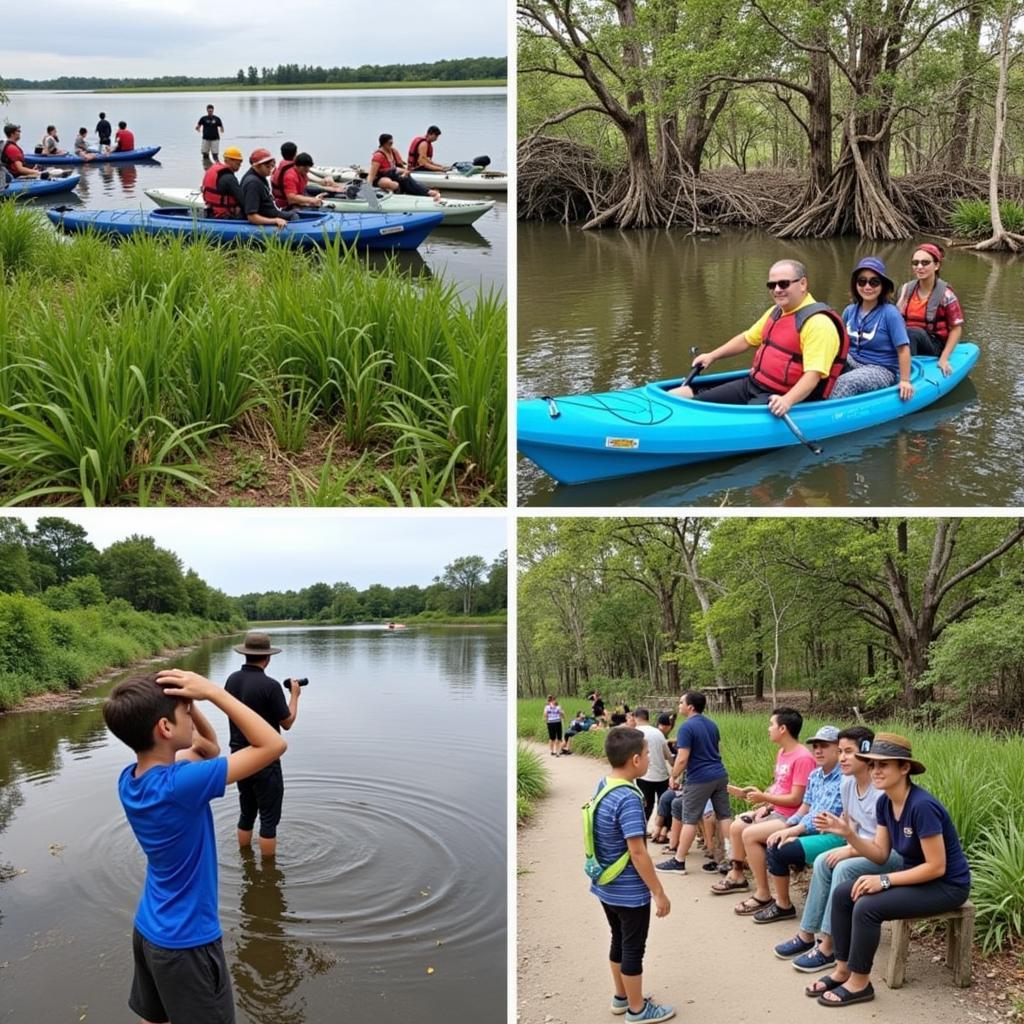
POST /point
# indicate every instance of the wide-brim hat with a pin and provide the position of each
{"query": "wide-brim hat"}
(875, 264)
(890, 746)
(257, 644)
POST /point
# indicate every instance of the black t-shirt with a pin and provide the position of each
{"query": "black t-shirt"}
(211, 123)
(256, 690)
(598, 708)
(256, 197)
(103, 130)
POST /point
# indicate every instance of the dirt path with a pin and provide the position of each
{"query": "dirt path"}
(714, 967)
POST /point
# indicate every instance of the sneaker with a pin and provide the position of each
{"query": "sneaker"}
(710, 867)
(620, 1004)
(651, 1013)
(566, 753)
(793, 947)
(815, 961)
(671, 864)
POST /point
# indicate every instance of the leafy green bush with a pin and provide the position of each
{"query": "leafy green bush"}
(997, 868)
(971, 218)
(531, 781)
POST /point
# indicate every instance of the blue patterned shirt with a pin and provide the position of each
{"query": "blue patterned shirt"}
(823, 794)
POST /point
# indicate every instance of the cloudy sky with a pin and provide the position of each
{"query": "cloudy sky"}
(245, 550)
(127, 38)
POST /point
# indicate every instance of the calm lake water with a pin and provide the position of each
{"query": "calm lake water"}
(335, 127)
(391, 852)
(605, 310)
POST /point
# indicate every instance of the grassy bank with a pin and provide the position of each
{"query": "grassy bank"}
(46, 651)
(531, 782)
(171, 372)
(476, 83)
(979, 778)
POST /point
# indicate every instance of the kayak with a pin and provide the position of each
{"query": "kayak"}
(484, 181)
(99, 158)
(453, 211)
(581, 438)
(27, 188)
(311, 230)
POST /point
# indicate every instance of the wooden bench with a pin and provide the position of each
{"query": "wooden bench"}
(959, 935)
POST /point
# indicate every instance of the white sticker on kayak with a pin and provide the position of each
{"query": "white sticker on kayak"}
(396, 230)
(622, 442)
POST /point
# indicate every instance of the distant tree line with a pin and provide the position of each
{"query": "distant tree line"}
(461, 70)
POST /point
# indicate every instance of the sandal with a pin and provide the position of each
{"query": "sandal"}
(724, 885)
(842, 996)
(751, 905)
(822, 985)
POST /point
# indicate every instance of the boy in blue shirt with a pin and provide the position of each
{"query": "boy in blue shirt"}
(620, 826)
(181, 976)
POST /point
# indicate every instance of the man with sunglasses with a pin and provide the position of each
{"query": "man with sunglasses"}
(801, 349)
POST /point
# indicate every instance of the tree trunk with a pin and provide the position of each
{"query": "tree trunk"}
(956, 154)
(819, 125)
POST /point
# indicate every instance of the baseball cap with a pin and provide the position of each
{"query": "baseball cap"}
(232, 153)
(826, 734)
(260, 156)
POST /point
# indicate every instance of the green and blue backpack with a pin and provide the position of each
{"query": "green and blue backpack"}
(597, 872)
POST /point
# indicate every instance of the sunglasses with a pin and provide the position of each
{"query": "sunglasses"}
(868, 282)
(772, 285)
(921, 263)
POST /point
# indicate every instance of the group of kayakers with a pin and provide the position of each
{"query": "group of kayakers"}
(12, 156)
(807, 352)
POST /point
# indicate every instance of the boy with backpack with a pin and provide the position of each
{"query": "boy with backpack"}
(621, 872)
(181, 976)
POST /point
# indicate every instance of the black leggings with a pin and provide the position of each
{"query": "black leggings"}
(651, 792)
(857, 927)
(629, 936)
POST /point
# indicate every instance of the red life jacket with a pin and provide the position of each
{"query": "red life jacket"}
(383, 161)
(414, 151)
(937, 327)
(277, 183)
(217, 203)
(11, 154)
(779, 362)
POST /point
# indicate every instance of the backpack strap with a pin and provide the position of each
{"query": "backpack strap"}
(603, 874)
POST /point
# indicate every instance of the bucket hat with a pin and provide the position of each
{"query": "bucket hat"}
(875, 264)
(258, 644)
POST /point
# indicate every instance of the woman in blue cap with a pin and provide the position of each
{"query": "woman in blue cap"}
(879, 353)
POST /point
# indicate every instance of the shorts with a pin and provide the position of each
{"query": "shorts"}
(262, 794)
(629, 926)
(211, 144)
(697, 794)
(182, 986)
(554, 730)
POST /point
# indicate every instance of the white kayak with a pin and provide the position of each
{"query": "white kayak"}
(453, 211)
(478, 181)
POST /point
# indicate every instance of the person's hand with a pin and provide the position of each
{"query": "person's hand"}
(190, 685)
(295, 688)
(779, 405)
(907, 389)
(833, 857)
(674, 783)
(780, 838)
(834, 826)
(703, 360)
(280, 222)
(944, 366)
(662, 906)
(866, 885)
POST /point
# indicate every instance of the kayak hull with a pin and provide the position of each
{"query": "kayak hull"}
(620, 433)
(99, 158)
(485, 181)
(364, 231)
(29, 188)
(453, 211)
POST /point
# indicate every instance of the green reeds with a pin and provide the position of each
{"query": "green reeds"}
(531, 782)
(127, 359)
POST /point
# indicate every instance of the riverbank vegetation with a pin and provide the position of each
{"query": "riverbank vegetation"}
(531, 781)
(918, 617)
(822, 119)
(461, 71)
(979, 777)
(172, 372)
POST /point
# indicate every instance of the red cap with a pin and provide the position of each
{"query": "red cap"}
(260, 156)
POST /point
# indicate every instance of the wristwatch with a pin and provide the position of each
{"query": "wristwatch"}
(885, 880)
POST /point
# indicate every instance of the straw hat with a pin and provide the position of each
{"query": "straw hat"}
(890, 746)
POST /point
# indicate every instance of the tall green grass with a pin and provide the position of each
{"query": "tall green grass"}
(971, 218)
(979, 778)
(119, 365)
(531, 782)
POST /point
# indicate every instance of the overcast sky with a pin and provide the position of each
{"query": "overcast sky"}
(245, 550)
(129, 38)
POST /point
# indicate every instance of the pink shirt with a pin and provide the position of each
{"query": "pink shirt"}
(792, 769)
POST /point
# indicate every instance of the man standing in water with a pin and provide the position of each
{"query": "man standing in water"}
(212, 128)
(263, 793)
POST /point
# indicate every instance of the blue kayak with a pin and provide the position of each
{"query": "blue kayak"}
(26, 188)
(311, 230)
(581, 438)
(98, 158)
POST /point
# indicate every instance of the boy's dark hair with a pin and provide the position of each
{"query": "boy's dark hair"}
(384, 138)
(858, 733)
(134, 707)
(642, 713)
(621, 744)
(696, 700)
(618, 718)
(122, 124)
(791, 719)
(288, 150)
(664, 718)
(303, 160)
